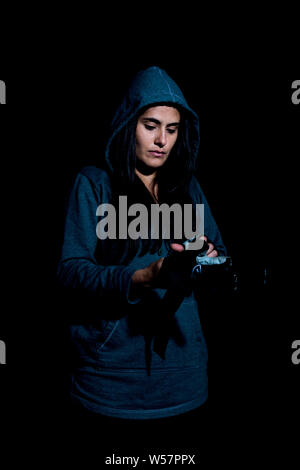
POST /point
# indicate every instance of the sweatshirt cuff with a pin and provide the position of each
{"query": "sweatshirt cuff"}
(132, 295)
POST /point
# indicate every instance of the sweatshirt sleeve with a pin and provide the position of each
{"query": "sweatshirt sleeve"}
(78, 267)
(211, 229)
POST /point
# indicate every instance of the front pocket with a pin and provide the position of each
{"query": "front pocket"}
(129, 341)
(107, 334)
(88, 339)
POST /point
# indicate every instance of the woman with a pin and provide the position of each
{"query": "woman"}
(121, 307)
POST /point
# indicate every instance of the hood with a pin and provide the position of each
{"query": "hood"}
(149, 87)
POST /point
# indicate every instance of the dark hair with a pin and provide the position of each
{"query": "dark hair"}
(173, 177)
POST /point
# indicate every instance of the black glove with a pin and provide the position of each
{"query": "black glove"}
(177, 268)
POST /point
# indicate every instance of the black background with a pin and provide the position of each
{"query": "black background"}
(56, 120)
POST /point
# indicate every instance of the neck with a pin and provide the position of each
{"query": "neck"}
(149, 182)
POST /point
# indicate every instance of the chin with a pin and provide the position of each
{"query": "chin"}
(155, 163)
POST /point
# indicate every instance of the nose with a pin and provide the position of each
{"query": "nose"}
(161, 138)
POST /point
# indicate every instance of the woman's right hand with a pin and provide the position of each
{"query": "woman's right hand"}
(146, 277)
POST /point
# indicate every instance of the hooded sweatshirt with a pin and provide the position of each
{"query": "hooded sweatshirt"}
(116, 371)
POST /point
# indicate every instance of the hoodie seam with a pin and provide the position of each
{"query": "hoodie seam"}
(170, 91)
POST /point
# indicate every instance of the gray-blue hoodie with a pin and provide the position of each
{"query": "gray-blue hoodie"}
(112, 335)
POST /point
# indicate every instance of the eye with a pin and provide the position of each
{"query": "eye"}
(172, 131)
(150, 128)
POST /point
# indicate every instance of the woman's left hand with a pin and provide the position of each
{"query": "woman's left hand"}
(211, 252)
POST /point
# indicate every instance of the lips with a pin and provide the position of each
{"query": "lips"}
(156, 153)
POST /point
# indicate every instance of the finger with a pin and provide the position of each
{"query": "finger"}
(213, 254)
(211, 248)
(203, 237)
(159, 263)
(177, 247)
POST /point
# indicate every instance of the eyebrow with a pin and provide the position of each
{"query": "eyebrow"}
(156, 121)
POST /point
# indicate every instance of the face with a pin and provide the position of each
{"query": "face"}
(156, 134)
